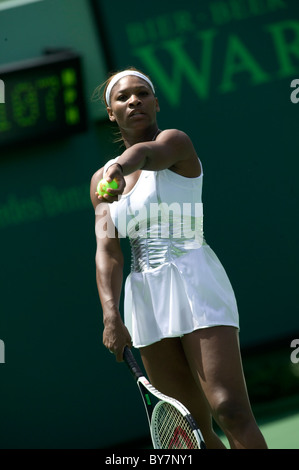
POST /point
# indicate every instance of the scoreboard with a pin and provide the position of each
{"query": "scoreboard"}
(42, 98)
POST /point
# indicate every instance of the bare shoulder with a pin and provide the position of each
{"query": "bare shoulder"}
(187, 163)
(175, 136)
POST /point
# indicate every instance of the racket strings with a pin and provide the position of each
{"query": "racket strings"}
(171, 429)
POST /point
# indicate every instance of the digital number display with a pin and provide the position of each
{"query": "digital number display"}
(42, 98)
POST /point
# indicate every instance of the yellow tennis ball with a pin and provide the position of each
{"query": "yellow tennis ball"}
(103, 185)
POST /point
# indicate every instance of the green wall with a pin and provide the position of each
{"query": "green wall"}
(57, 377)
(223, 75)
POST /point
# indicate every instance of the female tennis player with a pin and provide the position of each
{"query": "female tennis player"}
(180, 309)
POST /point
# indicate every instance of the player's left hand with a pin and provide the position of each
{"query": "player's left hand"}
(113, 173)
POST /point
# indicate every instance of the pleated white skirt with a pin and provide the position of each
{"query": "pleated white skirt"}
(188, 293)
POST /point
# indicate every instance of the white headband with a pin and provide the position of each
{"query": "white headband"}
(120, 75)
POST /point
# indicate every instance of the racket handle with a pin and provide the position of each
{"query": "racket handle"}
(131, 363)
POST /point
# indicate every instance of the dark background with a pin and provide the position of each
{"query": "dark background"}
(222, 72)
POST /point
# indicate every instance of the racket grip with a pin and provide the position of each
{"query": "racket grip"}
(131, 363)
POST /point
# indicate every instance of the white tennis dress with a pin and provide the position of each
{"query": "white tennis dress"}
(177, 284)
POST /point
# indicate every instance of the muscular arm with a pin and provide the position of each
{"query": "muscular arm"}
(173, 149)
(109, 277)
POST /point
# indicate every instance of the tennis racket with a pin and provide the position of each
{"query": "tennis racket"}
(171, 424)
